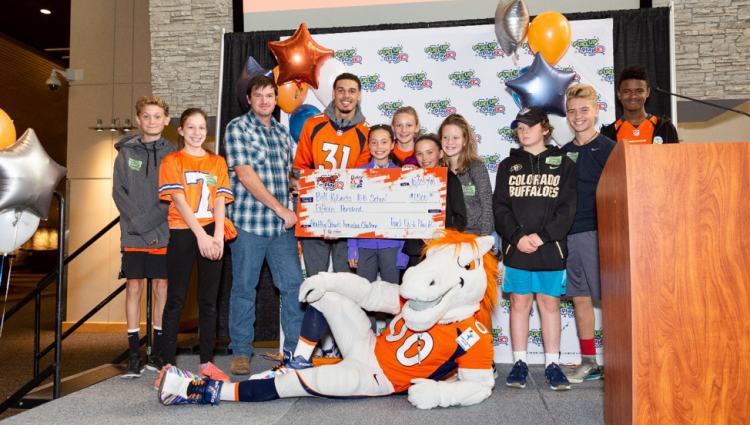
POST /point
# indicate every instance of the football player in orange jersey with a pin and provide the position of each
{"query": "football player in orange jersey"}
(197, 184)
(336, 138)
(636, 125)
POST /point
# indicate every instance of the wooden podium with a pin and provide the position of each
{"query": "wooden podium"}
(674, 235)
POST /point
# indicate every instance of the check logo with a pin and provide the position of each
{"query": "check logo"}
(594, 149)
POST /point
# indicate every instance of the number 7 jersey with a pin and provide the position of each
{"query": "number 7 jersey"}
(322, 144)
(200, 178)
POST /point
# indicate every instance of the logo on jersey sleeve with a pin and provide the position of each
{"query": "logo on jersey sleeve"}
(440, 108)
(440, 52)
(393, 54)
(388, 109)
(488, 50)
(489, 106)
(371, 83)
(417, 81)
(464, 79)
(588, 47)
(348, 57)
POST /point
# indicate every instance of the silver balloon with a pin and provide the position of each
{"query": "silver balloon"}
(511, 24)
(542, 85)
(28, 176)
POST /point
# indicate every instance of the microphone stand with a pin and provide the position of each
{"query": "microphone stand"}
(701, 101)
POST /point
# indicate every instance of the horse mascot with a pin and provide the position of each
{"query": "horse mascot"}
(442, 325)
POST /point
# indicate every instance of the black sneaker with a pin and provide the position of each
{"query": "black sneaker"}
(135, 366)
(155, 364)
(556, 378)
(518, 374)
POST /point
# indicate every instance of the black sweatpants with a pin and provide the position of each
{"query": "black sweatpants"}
(182, 252)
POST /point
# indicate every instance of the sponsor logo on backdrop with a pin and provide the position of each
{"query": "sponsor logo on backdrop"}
(598, 338)
(489, 106)
(507, 134)
(588, 46)
(488, 50)
(527, 49)
(387, 109)
(356, 182)
(498, 338)
(464, 79)
(566, 309)
(440, 108)
(569, 68)
(329, 182)
(477, 136)
(371, 83)
(417, 81)
(393, 54)
(600, 103)
(508, 74)
(535, 337)
(348, 57)
(421, 131)
(607, 74)
(492, 162)
(440, 52)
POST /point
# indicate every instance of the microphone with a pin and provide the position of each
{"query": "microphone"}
(700, 101)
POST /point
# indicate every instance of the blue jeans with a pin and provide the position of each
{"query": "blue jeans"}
(248, 253)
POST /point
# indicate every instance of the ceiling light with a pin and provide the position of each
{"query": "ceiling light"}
(45, 11)
(98, 126)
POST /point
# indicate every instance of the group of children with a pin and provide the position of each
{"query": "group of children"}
(543, 208)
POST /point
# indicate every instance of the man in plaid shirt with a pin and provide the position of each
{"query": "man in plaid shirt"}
(259, 156)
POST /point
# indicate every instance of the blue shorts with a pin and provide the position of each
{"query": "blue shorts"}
(524, 282)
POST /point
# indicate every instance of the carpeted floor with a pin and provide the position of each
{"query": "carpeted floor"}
(133, 401)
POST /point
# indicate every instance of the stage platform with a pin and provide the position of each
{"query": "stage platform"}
(134, 401)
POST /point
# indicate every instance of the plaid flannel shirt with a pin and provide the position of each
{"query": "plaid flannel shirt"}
(247, 141)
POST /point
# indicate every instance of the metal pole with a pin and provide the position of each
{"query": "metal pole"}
(149, 288)
(58, 296)
(37, 331)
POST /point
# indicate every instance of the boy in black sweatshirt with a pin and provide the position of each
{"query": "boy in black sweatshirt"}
(534, 206)
(590, 151)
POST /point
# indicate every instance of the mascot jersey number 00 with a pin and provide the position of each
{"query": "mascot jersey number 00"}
(442, 319)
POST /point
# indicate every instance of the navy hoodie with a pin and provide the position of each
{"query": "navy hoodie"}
(535, 194)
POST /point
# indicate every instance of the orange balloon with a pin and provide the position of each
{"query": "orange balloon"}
(7, 130)
(549, 34)
(291, 94)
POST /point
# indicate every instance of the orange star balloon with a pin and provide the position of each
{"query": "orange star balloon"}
(299, 57)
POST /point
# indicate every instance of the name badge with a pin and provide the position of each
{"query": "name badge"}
(134, 164)
(469, 190)
(211, 180)
(554, 160)
(467, 339)
(573, 156)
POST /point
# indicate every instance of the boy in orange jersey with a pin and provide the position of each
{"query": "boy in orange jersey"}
(144, 233)
(335, 139)
(636, 125)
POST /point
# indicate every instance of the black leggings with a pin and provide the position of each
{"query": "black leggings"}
(182, 252)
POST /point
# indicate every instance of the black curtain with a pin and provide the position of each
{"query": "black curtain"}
(641, 36)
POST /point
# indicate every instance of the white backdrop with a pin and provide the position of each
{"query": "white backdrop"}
(440, 71)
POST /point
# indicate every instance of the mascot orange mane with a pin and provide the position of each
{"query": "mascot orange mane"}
(441, 325)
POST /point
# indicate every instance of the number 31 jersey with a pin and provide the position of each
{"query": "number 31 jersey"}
(322, 144)
(200, 178)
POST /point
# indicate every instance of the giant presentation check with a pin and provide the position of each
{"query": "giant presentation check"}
(371, 203)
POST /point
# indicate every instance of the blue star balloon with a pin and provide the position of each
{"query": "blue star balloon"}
(543, 86)
(252, 68)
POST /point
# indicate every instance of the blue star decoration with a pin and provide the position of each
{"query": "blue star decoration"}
(28, 176)
(542, 85)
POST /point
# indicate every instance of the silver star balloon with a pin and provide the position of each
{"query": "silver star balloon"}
(511, 25)
(28, 176)
(543, 86)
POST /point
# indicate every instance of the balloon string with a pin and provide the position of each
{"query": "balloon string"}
(10, 267)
